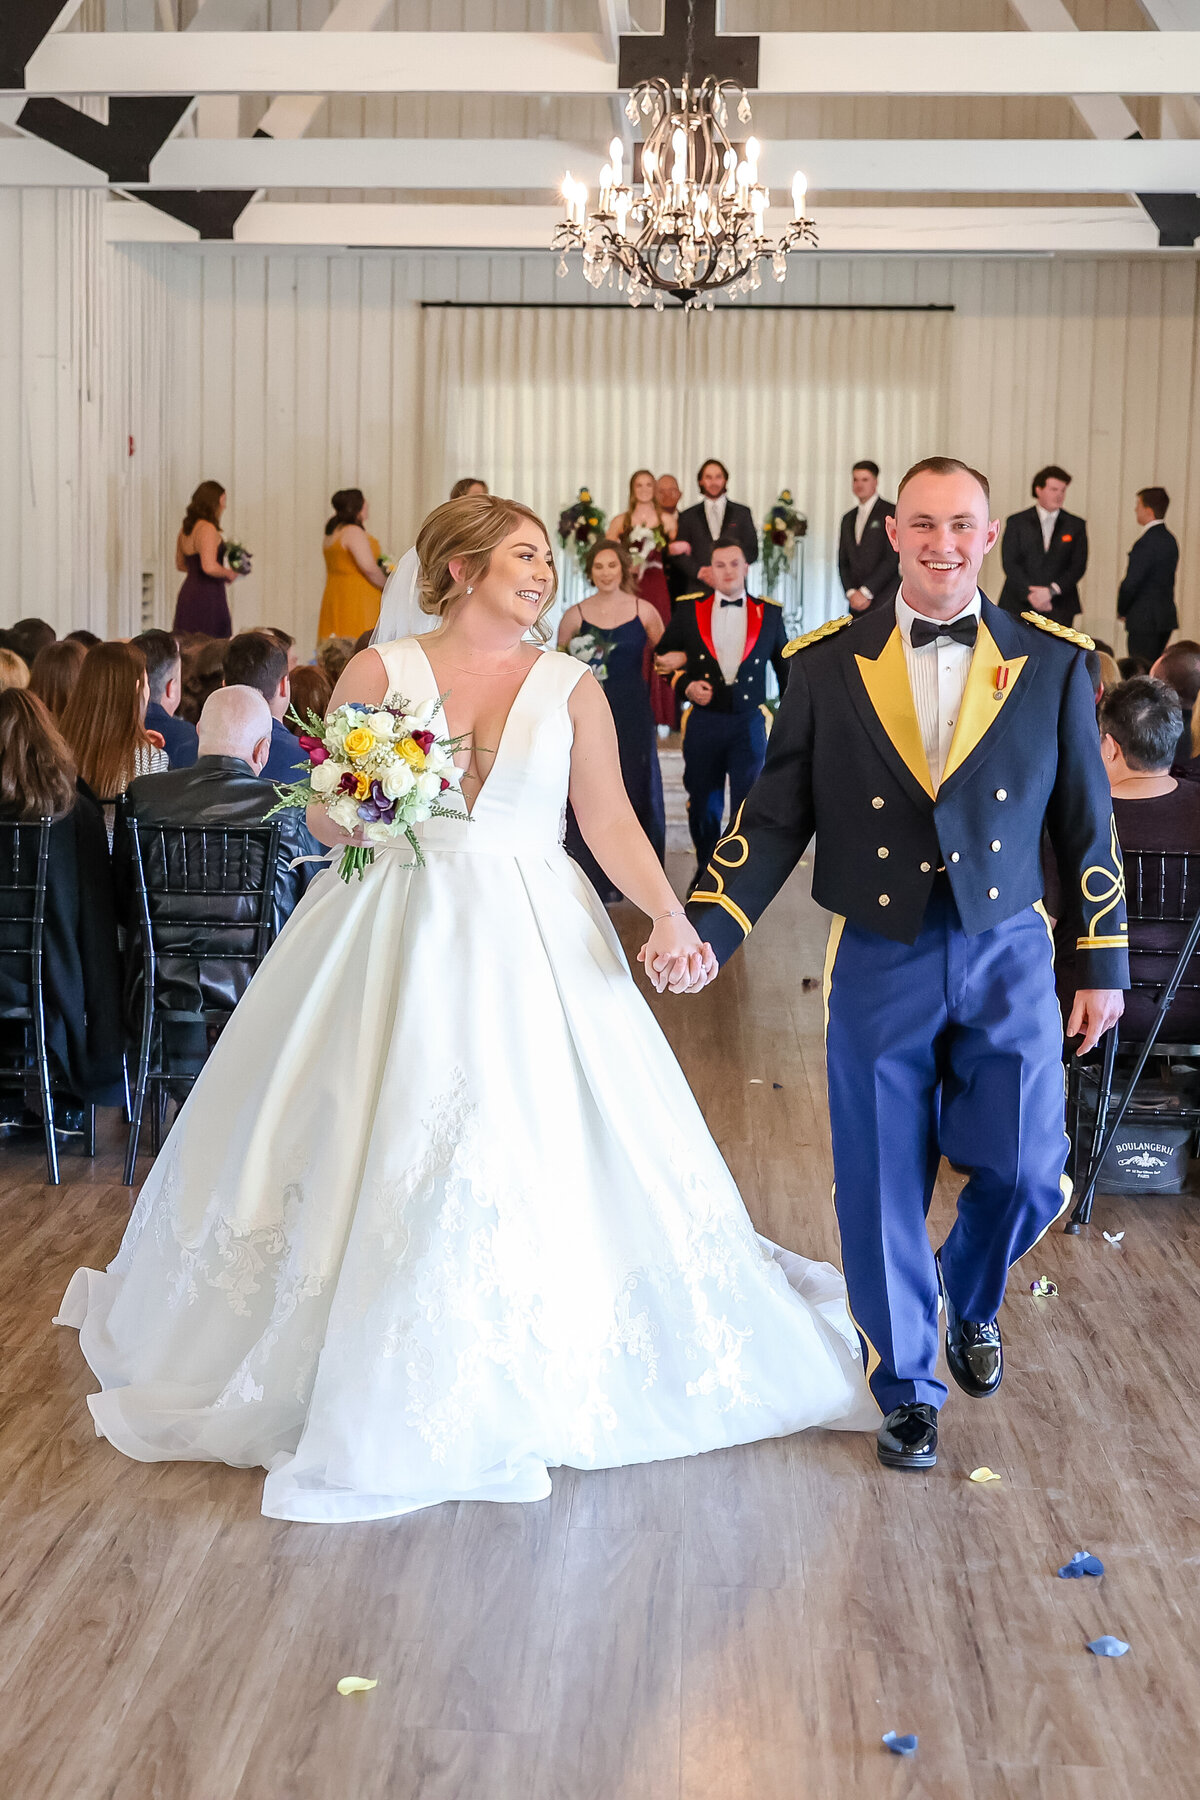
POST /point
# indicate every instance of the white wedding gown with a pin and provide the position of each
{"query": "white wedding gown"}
(441, 1211)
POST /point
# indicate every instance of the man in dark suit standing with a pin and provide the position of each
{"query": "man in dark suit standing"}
(714, 516)
(867, 564)
(1044, 551)
(1146, 599)
(717, 647)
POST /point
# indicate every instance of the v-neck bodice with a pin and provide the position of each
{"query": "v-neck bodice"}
(521, 806)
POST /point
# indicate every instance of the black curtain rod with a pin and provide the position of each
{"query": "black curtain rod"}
(932, 306)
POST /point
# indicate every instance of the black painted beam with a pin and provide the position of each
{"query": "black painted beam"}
(136, 131)
(689, 44)
(213, 212)
(23, 25)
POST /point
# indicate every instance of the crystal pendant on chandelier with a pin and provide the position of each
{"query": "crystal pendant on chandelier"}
(691, 217)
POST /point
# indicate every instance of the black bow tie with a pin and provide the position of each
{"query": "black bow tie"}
(963, 631)
(731, 603)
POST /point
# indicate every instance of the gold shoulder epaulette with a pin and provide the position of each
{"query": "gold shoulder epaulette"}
(698, 595)
(1056, 630)
(767, 601)
(814, 637)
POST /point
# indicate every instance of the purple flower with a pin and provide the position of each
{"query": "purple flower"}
(377, 808)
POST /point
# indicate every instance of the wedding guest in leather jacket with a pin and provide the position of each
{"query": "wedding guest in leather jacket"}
(223, 787)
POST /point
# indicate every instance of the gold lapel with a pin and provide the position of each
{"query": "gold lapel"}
(990, 684)
(890, 693)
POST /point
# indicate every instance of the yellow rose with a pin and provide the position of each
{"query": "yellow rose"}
(363, 786)
(412, 753)
(359, 742)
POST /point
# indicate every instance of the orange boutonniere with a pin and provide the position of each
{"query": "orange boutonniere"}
(1067, 537)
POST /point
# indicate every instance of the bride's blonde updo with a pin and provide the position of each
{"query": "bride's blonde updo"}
(471, 527)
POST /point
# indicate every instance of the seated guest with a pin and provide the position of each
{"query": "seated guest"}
(31, 635)
(164, 673)
(14, 670)
(333, 655)
(104, 722)
(1139, 727)
(54, 674)
(84, 637)
(1108, 672)
(285, 640)
(203, 661)
(1179, 667)
(256, 661)
(222, 787)
(312, 691)
(80, 975)
(1132, 665)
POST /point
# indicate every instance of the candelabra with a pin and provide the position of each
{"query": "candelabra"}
(692, 217)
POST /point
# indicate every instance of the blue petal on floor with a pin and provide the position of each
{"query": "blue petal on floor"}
(901, 1745)
(1081, 1564)
(1107, 1646)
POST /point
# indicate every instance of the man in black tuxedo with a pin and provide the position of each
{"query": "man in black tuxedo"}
(1044, 551)
(714, 516)
(867, 564)
(1146, 598)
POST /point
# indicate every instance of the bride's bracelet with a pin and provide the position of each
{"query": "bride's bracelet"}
(655, 918)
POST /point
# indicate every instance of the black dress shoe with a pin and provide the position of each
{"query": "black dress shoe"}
(907, 1439)
(974, 1349)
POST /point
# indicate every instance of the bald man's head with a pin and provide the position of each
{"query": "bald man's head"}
(236, 721)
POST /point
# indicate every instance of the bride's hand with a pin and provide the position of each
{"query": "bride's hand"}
(675, 958)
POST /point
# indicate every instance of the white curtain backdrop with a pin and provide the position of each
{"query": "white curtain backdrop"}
(541, 402)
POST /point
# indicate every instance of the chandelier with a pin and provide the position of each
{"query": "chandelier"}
(691, 219)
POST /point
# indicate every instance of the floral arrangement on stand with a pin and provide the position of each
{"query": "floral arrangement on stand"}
(378, 771)
(593, 648)
(641, 541)
(237, 557)
(781, 529)
(581, 525)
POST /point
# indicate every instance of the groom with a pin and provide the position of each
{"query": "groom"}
(928, 746)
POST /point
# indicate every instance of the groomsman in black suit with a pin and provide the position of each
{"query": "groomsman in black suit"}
(717, 647)
(1146, 598)
(867, 564)
(714, 516)
(1044, 551)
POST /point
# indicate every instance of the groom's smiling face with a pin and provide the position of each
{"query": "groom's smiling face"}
(942, 532)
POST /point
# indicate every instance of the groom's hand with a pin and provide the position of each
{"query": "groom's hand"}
(1094, 1011)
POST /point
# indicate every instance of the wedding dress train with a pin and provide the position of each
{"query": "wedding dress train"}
(441, 1211)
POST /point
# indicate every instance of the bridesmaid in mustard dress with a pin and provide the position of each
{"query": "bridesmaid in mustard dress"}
(353, 578)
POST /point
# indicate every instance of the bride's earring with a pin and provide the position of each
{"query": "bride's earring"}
(470, 590)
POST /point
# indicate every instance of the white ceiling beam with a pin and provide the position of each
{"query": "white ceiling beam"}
(831, 63)
(1105, 115)
(898, 166)
(290, 115)
(1180, 113)
(910, 230)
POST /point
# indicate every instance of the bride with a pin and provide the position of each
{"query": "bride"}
(441, 1212)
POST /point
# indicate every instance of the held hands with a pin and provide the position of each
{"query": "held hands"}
(858, 600)
(669, 662)
(1094, 1011)
(679, 547)
(1041, 599)
(674, 957)
(699, 692)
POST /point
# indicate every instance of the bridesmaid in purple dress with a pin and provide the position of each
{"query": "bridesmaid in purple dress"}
(203, 603)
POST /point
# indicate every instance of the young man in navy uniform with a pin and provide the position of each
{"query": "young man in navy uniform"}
(928, 746)
(718, 647)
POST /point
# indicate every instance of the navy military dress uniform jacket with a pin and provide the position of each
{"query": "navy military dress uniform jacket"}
(690, 630)
(846, 762)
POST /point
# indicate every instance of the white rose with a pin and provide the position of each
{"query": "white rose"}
(325, 777)
(378, 834)
(344, 812)
(397, 781)
(382, 724)
(421, 716)
(429, 786)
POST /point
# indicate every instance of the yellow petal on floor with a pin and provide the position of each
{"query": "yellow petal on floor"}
(355, 1684)
(983, 1475)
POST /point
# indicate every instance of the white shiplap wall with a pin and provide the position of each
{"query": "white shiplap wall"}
(286, 375)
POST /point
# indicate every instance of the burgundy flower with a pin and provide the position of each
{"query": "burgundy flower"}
(348, 784)
(425, 739)
(317, 753)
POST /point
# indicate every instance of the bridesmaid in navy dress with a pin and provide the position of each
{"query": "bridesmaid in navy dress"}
(621, 626)
(203, 603)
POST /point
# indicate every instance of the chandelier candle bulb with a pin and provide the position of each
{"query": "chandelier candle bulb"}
(799, 194)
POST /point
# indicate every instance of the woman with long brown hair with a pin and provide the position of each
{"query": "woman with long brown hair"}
(54, 674)
(645, 531)
(203, 603)
(453, 1218)
(80, 978)
(104, 722)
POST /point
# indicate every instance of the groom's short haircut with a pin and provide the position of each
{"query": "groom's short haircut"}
(945, 465)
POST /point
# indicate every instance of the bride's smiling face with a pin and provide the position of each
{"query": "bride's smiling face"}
(517, 582)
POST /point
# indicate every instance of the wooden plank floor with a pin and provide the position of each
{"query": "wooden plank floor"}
(742, 1626)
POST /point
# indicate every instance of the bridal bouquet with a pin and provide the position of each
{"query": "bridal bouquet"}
(581, 525)
(237, 557)
(782, 526)
(641, 542)
(592, 648)
(380, 770)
